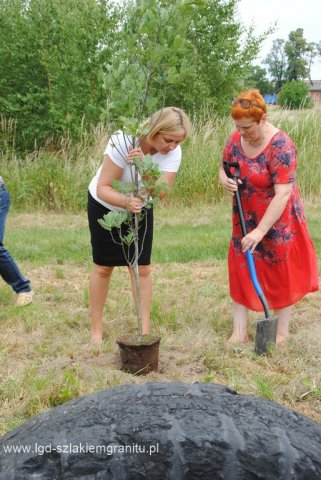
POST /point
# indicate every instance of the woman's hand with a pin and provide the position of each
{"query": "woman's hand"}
(134, 153)
(230, 185)
(134, 204)
(250, 241)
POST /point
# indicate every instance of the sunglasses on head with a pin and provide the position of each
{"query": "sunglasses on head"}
(244, 103)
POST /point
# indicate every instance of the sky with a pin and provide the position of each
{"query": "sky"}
(289, 15)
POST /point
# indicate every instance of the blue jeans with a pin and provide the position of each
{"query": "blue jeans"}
(9, 270)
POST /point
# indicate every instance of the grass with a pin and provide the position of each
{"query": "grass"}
(45, 355)
(303, 126)
(58, 181)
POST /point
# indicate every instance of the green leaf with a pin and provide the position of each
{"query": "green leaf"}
(113, 219)
(125, 188)
(128, 239)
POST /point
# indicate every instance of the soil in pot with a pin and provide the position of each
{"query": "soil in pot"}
(139, 354)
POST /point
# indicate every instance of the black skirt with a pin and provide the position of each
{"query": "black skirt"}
(105, 250)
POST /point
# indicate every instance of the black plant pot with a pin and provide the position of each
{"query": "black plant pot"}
(139, 354)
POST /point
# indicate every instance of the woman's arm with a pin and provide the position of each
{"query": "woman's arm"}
(272, 214)
(168, 178)
(105, 191)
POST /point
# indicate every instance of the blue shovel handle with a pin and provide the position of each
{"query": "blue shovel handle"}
(255, 282)
(251, 265)
(249, 257)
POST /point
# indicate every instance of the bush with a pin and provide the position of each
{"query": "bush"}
(295, 95)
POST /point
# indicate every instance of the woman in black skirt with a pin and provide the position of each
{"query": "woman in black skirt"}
(167, 129)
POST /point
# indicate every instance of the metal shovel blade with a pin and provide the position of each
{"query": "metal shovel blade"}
(266, 329)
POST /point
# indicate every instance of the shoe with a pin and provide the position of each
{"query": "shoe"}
(24, 298)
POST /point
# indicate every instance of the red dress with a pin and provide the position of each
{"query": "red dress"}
(285, 259)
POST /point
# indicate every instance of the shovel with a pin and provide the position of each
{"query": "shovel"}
(266, 328)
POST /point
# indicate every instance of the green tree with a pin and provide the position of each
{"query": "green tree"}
(64, 60)
(220, 58)
(312, 53)
(276, 63)
(189, 53)
(257, 78)
(22, 77)
(51, 74)
(296, 50)
(148, 47)
(295, 95)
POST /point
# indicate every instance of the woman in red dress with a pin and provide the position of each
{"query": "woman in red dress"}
(277, 236)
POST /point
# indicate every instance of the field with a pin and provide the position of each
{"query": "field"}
(46, 356)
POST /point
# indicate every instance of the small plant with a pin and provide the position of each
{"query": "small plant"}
(137, 73)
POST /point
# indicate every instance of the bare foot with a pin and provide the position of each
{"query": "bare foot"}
(281, 339)
(237, 339)
(96, 339)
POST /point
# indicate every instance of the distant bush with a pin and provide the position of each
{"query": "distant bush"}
(295, 95)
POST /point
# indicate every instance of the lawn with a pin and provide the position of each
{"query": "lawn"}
(47, 359)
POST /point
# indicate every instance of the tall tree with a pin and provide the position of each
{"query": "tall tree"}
(312, 53)
(221, 55)
(149, 46)
(51, 72)
(277, 63)
(296, 50)
(187, 52)
(63, 60)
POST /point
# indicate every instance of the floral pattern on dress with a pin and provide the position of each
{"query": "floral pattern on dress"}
(285, 259)
(275, 164)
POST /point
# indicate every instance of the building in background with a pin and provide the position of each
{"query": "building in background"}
(315, 92)
(271, 98)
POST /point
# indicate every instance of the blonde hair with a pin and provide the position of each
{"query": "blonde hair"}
(168, 120)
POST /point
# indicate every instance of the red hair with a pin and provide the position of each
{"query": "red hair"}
(254, 112)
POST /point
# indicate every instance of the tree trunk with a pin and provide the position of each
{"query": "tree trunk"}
(135, 264)
(137, 281)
